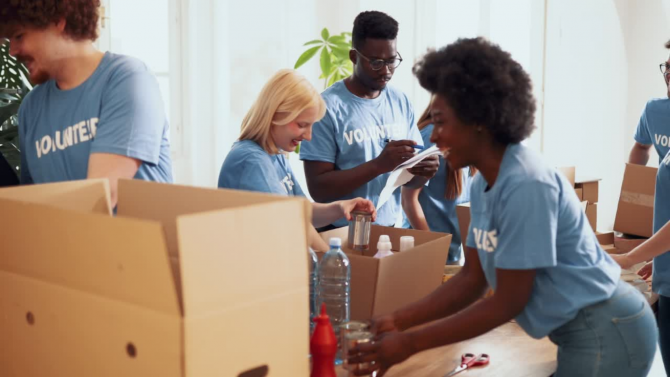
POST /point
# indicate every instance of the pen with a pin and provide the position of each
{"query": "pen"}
(413, 146)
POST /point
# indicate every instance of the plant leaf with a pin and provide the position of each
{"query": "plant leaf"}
(316, 41)
(325, 62)
(325, 34)
(306, 56)
(337, 39)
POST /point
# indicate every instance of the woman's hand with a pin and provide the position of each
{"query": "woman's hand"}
(383, 324)
(357, 204)
(384, 352)
(646, 271)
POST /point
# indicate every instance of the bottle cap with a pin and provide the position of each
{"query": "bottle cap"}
(335, 242)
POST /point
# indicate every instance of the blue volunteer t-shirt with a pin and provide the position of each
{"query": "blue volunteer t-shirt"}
(439, 211)
(661, 278)
(353, 132)
(249, 167)
(117, 110)
(654, 126)
(531, 219)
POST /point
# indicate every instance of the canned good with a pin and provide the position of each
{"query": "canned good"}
(351, 340)
(359, 230)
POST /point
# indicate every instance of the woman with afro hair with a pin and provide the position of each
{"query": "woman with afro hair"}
(528, 239)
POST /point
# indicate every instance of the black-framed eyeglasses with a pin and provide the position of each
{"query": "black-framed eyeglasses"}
(664, 67)
(377, 64)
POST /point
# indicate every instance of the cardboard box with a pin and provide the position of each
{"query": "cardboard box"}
(589, 189)
(580, 194)
(635, 210)
(569, 172)
(463, 214)
(380, 286)
(86, 294)
(592, 214)
(627, 243)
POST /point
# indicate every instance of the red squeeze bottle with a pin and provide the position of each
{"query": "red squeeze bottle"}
(323, 346)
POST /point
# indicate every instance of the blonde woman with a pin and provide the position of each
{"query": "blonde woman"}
(282, 117)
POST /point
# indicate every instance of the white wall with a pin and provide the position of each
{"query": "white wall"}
(647, 30)
(593, 64)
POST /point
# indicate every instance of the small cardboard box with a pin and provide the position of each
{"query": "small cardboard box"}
(178, 284)
(635, 211)
(380, 286)
(580, 194)
(592, 214)
(627, 243)
(589, 189)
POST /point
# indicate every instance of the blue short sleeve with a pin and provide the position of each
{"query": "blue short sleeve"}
(527, 225)
(258, 175)
(132, 117)
(642, 134)
(323, 146)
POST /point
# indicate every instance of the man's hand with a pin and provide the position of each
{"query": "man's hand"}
(395, 153)
(426, 168)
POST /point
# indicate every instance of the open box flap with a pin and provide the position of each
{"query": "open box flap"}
(427, 272)
(121, 259)
(165, 202)
(225, 261)
(90, 195)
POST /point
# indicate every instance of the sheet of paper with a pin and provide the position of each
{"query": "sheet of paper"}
(400, 175)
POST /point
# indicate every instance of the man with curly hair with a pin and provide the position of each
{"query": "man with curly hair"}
(528, 240)
(653, 129)
(369, 127)
(91, 114)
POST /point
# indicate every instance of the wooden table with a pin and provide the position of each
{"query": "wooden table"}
(512, 352)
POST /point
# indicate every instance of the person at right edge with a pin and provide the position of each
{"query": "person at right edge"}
(529, 239)
(653, 129)
(658, 248)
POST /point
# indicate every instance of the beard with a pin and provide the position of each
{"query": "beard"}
(39, 77)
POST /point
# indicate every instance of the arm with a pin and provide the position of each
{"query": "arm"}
(315, 241)
(510, 298)
(326, 183)
(514, 288)
(457, 293)
(324, 214)
(658, 244)
(639, 154)
(412, 208)
(114, 167)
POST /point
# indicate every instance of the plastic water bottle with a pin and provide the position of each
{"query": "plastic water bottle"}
(334, 280)
(313, 276)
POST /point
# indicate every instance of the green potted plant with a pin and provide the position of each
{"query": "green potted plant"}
(14, 86)
(334, 58)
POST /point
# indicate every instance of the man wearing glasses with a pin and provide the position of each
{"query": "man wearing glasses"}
(369, 127)
(654, 126)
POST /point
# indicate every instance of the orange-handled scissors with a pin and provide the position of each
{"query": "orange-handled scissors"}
(470, 360)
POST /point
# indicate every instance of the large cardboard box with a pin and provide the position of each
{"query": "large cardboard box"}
(380, 286)
(178, 284)
(635, 211)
